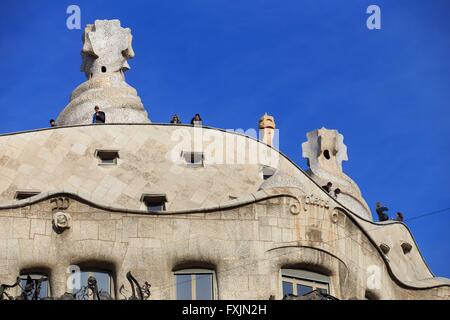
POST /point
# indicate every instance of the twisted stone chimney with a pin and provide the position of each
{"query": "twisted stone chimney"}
(105, 54)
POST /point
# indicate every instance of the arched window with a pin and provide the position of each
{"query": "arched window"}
(300, 282)
(104, 284)
(34, 286)
(195, 284)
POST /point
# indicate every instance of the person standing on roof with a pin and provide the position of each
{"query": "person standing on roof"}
(382, 216)
(98, 116)
(175, 119)
(197, 120)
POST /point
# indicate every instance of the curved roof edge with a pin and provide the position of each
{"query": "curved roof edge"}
(352, 215)
(250, 199)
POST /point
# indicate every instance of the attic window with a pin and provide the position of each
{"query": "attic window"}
(21, 195)
(107, 157)
(406, 247)
(193, 159)
(154, 202)
(267, 172)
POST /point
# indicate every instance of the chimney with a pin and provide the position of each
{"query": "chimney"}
(266, 129)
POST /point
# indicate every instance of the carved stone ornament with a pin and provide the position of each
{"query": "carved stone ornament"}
(62, 221)
(295, 208)
(335, 216)
(106, 51)
(61, 203)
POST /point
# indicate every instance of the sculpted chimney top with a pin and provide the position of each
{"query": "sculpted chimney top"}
(106, 49)
(105, 53)
(267, 129)
(325, 151)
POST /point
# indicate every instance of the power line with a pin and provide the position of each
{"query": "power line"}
(428, 214)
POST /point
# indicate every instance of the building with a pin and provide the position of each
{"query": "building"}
(198, 212)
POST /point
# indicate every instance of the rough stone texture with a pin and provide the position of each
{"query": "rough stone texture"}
(64, 159)
(106, 49)
(246, 254)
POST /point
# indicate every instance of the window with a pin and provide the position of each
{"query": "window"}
(193, 159)
(103, 280)
(25, 194)
(267, 172)
(195, 284)
(34, 286)
(301, 282)
(107, 157)
(154, 202)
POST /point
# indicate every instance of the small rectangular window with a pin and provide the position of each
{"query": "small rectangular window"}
(107, 157)
(25, 194)
(154, 202)
(194, 159)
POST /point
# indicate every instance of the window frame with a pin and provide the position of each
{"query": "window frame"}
(193, 273)
(306, 278)
(25, 194)
(146, 198)
(103, 162)
(92, 271)
(35, 276)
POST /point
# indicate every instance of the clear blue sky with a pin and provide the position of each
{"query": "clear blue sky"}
(309, 63)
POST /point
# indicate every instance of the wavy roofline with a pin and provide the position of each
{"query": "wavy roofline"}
(349, 212)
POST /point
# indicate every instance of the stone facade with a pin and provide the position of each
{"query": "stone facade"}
(246, 239)
(223, 211)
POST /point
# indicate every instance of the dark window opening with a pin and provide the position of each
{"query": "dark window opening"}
(194, 159)
(103, 69)
(21, 195)
(406, 247)
(107, 157)
(268, 172)
(155, 202)
(326, 154)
